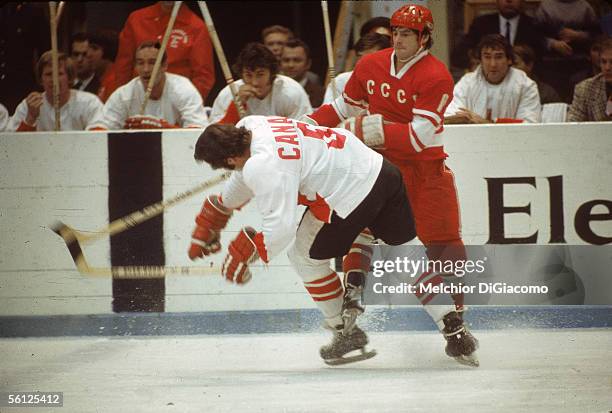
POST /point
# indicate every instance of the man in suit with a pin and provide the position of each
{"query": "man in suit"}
(295, 63)
(509, 21)
(593, 97)
(86, 79)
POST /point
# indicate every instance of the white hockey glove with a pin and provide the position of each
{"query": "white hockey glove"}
(368, 128)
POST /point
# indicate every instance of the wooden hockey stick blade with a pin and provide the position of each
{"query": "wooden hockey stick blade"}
(140, 216)
(69, 237)
(149, 271)
(136, 271)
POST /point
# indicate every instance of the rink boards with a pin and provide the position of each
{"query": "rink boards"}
(537, 184)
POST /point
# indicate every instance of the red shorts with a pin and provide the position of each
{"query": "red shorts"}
(433, 197)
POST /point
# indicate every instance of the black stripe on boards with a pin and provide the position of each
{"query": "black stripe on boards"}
(135, 180)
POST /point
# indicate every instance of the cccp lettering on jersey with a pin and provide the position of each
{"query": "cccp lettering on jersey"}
(386, 91)
(285, 133)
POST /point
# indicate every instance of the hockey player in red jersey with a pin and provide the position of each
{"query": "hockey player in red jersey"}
(395, 102)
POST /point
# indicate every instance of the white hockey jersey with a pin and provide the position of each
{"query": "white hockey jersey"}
(340, 81)
(287, 98)
(180, 104)
(82, 111)
(327, 169)
(516, 97)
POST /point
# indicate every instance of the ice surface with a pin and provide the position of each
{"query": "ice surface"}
(521, 371)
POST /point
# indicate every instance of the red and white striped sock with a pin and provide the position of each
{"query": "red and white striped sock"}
(327, 294)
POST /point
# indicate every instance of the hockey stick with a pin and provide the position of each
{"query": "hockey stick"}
(160, 55)
(60, 9)
(137, 217)
(330, 51)
(55, 63)
(131, 272)
(221, 55)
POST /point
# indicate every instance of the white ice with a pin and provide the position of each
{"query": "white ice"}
(521, 371)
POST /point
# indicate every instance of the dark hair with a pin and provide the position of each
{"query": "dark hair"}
(254, 56)
(525, 52)
(275, 29)
(372, 40)
(150, 43)
(46, 59)
(219, 142)
(495, 42)
(107, 40)
(79, 37)
(605, 44)
(293, 43)
(373, 23)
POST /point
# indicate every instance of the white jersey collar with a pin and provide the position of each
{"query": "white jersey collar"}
(416, 58)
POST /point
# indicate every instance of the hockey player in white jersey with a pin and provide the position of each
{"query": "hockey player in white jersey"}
(280, 162)
(261, 89)
(174, 101)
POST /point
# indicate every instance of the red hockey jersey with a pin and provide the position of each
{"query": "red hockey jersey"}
(189, 48)
(411, 100)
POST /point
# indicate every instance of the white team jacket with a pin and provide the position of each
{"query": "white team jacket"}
(340, 81)
(289, 158)
(180, 104)
(515, 97)
(287, 98)
(82, 111)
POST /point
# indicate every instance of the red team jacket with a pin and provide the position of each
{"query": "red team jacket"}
(189, 48)
(412, 103)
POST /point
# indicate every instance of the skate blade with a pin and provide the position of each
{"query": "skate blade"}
(470, 360)
(365, 355)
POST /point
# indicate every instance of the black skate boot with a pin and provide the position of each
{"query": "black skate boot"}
(351, 306)
(335, 354)
(460, 343)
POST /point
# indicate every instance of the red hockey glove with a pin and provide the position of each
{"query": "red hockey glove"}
(212, 219)
(368, 128)
(242, 252)
(147, 122)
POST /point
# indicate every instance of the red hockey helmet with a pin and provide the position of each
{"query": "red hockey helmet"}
(413, 16)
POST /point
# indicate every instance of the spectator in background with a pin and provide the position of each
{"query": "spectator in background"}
(593, 57)
(85, 76)
(24, 35)
(569, 27)
(380, 25)
(509, 21)
(189, 48)
(102, 53)
(376, 25)
(368, 43)
(78, 110)
(495, 92)
(275, 37)
(593, 97)
(261, 89)
(295, 63)
(524, 59)
(174, 100)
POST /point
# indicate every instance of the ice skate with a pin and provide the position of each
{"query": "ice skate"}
(460, 343)
(351, 305)
(341, 347)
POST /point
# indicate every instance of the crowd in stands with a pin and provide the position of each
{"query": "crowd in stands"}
(514, 66)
